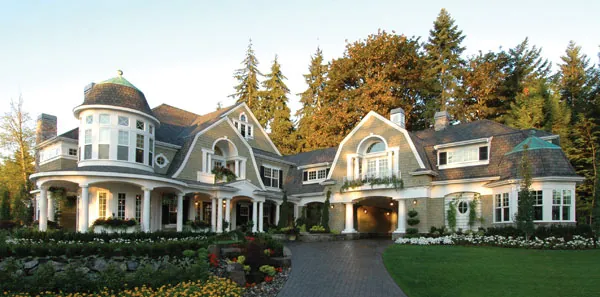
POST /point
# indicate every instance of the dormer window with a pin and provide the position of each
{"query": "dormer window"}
(463, 156)
(314, 175)
(244, 127)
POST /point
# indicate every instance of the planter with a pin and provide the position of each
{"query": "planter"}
(291, 237)
(106, 229)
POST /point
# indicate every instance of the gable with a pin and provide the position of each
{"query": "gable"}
(261, 139)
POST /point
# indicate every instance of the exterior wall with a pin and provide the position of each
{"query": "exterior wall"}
(421, 207)
(337, 216)
(406, 158)
(58, 164)
(435, 213)
(206, 140)
(169, 155)
(487, 210)
(260, 140)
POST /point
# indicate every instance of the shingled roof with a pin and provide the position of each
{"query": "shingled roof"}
(119, 92)
(293, 182)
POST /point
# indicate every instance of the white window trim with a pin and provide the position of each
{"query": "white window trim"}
(510, 206)
(248, 127)
(273, 168)
(561, 205)
(317, 179)
(161, 155)
(463, 163)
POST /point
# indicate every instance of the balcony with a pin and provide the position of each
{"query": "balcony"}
(378, 180)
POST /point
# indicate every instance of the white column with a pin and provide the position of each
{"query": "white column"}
(349, 162)
(43, 222)
(208, 163)
(254, 215)
(349, 218)
(228, 214)
(84, 223)
(146, 212)
(201, 205)
(213, 215)
(389, 162)
(356, 173)
(401, 217)
(51, 208)
(296, 210)
(261, 216)
(179, 212)
(277, 207)
(237, 168)
(220, 215)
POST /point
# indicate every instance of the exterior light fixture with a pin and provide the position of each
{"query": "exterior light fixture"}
(387, 213)
(365, 211)
(392, 203)
(414, 201)
(332, 206)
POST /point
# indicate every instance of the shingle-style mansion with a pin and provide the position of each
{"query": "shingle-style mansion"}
(127, 160)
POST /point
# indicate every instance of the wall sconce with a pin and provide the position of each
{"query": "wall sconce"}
(414, 201)
(365, 211)
(387, 213)
(332, 206)
(392, 203)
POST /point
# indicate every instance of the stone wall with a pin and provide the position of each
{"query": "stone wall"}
(435, 213)
(337, 217)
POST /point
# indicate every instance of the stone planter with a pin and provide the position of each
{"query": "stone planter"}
(106, 229)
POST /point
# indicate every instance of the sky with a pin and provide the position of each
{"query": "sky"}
(184, 53)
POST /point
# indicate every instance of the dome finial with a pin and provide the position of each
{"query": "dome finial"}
(120, 72)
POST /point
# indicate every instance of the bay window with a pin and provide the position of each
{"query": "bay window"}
(104, 143)
(538, 205)
(123, 146)
(150, 151)
(104, 119)
(139, 148)
(501, 208)
(561, 205)
(87, 148)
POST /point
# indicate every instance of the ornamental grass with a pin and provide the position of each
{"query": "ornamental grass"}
(213, 287)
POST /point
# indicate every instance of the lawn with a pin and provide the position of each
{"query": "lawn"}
(423, 271)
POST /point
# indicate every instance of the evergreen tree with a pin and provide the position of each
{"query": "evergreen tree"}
(275, 111)
(596, 206)
(284, 212)
(528, 109)
(325, 215)
(4, 204)
(525, 211)
(247, 90)
(311, 101)
(444, 62)
(576, 80)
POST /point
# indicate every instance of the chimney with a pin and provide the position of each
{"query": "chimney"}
(45, 129)
(442, 120)
(398, 117)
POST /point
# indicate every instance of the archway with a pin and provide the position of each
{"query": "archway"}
(376, 216)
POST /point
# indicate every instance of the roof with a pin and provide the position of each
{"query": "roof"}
(313, 157)
(257, 151)
(533, 143)
(117, 91)
(293, 183)
(73, 134)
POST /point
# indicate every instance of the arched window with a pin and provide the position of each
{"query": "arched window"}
(243, 117)
(376, 147)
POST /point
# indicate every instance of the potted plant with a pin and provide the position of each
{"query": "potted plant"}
(221, 172)
(291, 232)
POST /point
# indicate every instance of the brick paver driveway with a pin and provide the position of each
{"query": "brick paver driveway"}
(339, 268)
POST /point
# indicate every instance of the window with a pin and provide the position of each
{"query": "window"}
(383, 167)
(243, 127)
(87, 149)
(139, 148)
(150, 151)
(538, 205)
(502, 208)
(103, 143)
(104, 119)
(442, 158)
(150, 129)
(463, 207)
(207, 212)
(123, 147)
(376, 147)
(322, 174)
(561, 205)
(377, 168)
(139, 125)
(483, 153)
(138, 208)
(72, 152)
(243, 117)
(312, 175)
(121, 206)
(249, 130)
(271, 177)
(102, 205)
(161, 161)
(123, 121)
(243, 130)
(463, 155)
(315, 174)
(89, 119)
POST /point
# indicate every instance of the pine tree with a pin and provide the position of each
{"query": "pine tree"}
(528, 109)
(311, 101)
(596, 206)
(576, 79)
(525, 211)
(325, 215)
(4, 204)
(247, 90)
(275, 111)
(444, 62)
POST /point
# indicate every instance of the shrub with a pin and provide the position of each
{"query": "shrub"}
(412, 231)
(317, 229)
(7, 225)
(268, 270)
(115, 223)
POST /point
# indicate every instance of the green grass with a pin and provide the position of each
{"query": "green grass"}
(423, 271)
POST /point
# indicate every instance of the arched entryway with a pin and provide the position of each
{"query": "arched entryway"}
(376, 216)
(464, 203)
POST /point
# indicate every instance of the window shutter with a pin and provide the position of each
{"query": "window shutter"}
(262, 174)
(281, 179)
(483, 153)
(304, 175)
(442, 158)
(327, 172)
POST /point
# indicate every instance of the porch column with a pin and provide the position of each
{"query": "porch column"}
(296, 210)
(51, 208)
(349, 218)
(213, 215)
(201, 205)
(401, 217)
(220, 215)
(277, 207)
(237, 168)
(84, 222)
(260, 216)
(254, 215)
(208, 163)
(389, 162)
(43, 222)
(356, 167)
(146, 212)
(179, 212)
(228, 214)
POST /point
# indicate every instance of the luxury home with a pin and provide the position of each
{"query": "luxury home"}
(165, 166)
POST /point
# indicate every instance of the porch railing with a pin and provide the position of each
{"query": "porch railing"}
(390, 179)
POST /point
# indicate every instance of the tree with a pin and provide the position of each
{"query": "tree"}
(443, 59)
(247, 90)
(325, 215)
(525, 211)
(19, 208)
(4, 204)
(275, 110)
(596, 206)
(17, 135)
(527, 111)
(284, 212)
(576, 79)
(311, 100)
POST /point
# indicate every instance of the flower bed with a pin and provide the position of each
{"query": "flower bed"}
(578, 242)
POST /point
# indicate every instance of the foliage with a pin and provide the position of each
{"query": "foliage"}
(525, 212)
(559, 231)
(318, 229)
(197, 224)
(284, 217)
(473, 204)
(247, 89)
(413, 220)
(395, 182)
(4, 204)
(221, 172)
(412, 231)
(325, 215)
(451, 214)
(268, 270)
(115, 223)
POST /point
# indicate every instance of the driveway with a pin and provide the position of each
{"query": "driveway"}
(339, 268)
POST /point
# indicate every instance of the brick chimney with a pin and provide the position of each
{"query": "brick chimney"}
(46, 128)
(398, 117)
(442, 120)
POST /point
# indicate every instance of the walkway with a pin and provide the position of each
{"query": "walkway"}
(339, 268)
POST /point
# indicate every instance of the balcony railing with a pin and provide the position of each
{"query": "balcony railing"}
(389, 179)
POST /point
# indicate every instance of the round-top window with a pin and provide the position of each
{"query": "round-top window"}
(463, 207)
(161, 161)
